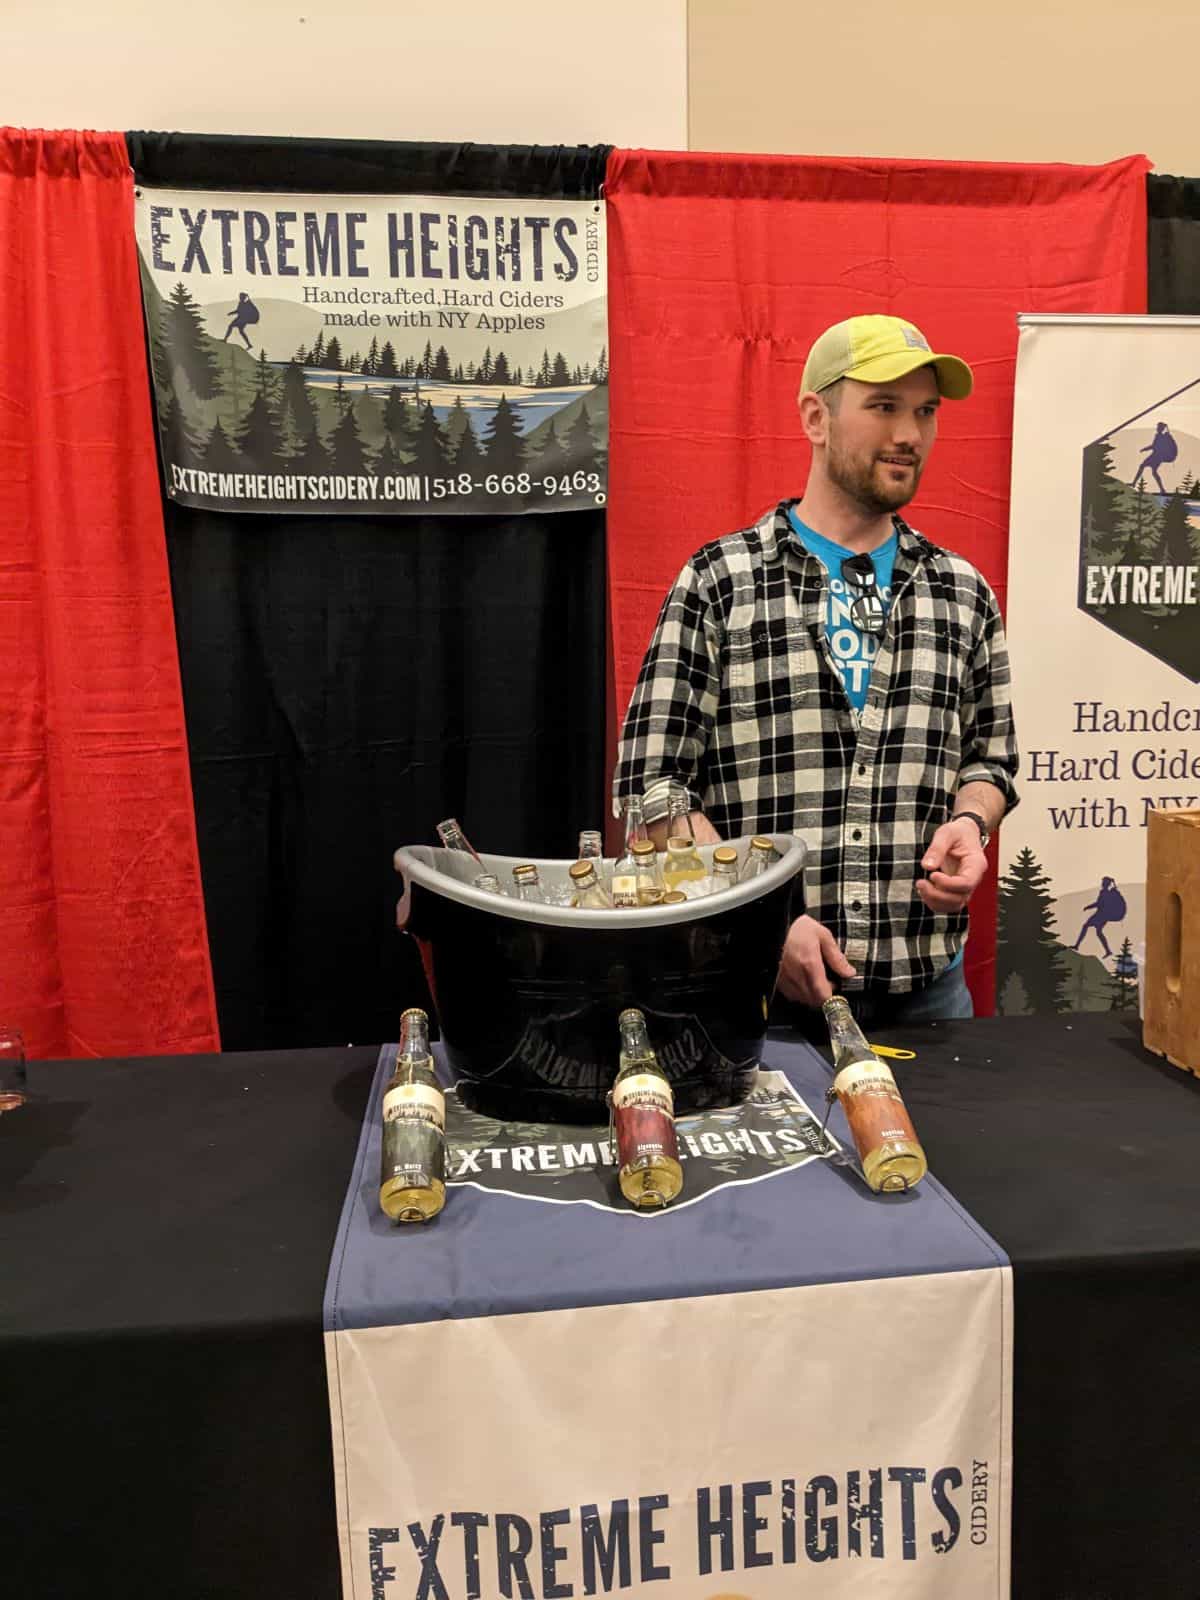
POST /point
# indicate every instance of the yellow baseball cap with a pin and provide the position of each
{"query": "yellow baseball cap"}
(876, 350)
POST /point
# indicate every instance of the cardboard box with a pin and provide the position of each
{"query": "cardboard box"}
(1171, 995)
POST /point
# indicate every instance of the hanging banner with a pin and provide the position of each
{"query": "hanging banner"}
(1104, 634)
(544, 1393)
(355, 354)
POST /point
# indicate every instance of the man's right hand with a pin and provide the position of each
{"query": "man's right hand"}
(809, 955)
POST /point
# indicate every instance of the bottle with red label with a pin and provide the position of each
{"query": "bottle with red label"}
(880, 1125)
(643, 1115)
(412, 1176)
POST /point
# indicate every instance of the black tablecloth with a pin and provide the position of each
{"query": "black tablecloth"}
(165, 1228)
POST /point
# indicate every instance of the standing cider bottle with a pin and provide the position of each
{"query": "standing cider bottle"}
(587, 892)
(644, 1121)
(412, 1171)
(879, 1123)
(761, 855)
(725, 868)
(647, 876)
(683, 863)
(453, 838)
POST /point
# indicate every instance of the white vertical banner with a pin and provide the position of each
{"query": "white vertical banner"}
(835, 1440)
(1104, 632)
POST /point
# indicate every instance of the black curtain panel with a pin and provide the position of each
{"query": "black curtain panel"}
(1173, 244)
(348, 681)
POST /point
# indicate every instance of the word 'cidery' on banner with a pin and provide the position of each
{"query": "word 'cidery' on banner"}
(362, 354)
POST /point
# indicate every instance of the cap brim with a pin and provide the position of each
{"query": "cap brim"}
(954, 377)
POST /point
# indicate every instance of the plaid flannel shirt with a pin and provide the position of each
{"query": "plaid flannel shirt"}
(739, 699)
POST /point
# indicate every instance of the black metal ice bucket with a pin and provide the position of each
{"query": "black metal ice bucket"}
(528, 996)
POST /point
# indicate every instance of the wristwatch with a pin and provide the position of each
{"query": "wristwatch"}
(979, 822)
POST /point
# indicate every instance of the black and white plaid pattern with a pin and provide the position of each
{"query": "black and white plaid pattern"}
(739, 698)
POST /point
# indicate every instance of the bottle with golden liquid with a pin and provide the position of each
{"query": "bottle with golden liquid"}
(882, 1130)
(683, 863)
(624, 879)
(412, 1169)
(643, 1119)
(647, 874)
(587, 891)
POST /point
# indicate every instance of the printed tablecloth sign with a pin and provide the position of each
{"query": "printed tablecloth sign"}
(781, 1382)
(386, 355)
(1104, 636)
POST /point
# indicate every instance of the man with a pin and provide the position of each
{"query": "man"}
(829, 671)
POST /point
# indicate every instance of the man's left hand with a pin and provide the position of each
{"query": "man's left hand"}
(955, 863)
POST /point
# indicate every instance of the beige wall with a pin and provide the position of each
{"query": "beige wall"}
(1026, 80)
(497, 71)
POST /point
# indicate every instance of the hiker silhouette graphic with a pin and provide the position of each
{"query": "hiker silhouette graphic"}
(243, 316)
(1161, 449)
(1108, 906)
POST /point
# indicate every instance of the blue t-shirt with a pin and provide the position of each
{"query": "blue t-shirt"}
(853, 650)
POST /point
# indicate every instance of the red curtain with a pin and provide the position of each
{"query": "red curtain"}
(723, 269)
(103, 949)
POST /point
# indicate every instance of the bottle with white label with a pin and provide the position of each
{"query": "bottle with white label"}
(882, 1130)
(643, 1114)
(412, 1173)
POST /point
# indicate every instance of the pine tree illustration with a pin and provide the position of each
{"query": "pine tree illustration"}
(345, 445)
(1012, 1001)
(468, 457)
(456, 423)
(312, 457)
(219, 454)
(387, 367)
(504, 445)
(259, 438)
(181, 444)
(500, 369)
(552, 459)
(580, 443)
(1025, 943)
(430, 455)
(1122, 980)
(190, 346)
(388, 461)
(296, 399)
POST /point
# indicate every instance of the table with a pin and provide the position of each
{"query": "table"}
(165, 1229)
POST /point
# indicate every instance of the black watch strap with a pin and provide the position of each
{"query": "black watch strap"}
(979, 822)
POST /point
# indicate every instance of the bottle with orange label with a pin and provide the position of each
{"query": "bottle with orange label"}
(412, 1172)
(643, 1115)
(892, 1158)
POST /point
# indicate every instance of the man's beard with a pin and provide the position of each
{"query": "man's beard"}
(858, 481)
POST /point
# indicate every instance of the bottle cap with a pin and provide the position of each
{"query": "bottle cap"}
(674, 897)
(414, 1011)
(581, 869)
(525, 868)
(644, 847)
(629, 1014)
(726, 854)
(761, 842)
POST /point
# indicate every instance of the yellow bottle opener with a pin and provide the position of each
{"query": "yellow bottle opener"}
(893, 1052)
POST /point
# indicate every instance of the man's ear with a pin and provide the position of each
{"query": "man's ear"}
(814, 418)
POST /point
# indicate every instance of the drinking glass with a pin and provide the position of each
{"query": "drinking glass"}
(14, 1089)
